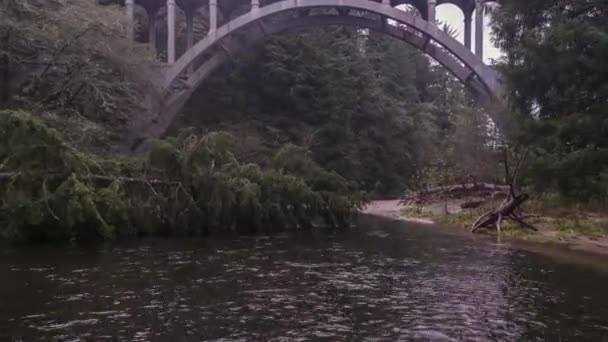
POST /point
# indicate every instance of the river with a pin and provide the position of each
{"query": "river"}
(383, 281)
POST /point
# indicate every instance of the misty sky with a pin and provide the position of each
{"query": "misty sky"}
(453, 16)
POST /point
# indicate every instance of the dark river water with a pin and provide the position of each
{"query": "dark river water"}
(384, 281)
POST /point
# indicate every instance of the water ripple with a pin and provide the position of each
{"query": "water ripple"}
(384, 285)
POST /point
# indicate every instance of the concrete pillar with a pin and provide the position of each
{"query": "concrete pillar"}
(255, 4)
(190, 33)
(171, 31)
(212, 16)
(152, 26)
(468, 34)
(383, 19)
(190, 28)
(430, 10)
(129, 7)
(479, 28)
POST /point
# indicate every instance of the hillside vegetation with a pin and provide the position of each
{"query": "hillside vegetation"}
(298, 132)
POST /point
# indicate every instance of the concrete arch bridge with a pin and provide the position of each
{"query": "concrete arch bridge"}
(235, 25)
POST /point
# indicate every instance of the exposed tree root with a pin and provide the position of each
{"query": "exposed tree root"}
(507, 210)
(510, 208)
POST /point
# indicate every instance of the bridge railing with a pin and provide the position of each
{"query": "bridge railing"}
(189, 7)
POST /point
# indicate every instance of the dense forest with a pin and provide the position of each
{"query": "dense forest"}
(554, 63)
(368, 107)
(299, 132)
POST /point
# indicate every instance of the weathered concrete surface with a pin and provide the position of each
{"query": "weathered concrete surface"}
(232, 46)
(486, 74)
(179, 80)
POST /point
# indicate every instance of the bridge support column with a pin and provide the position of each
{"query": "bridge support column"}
(430, 10)
(152, 26)
(479, 28)
(255, 5)
(171, 31)
(467, 29)
(129, 7)
(190, 34)
(212, 16)
(189, 29)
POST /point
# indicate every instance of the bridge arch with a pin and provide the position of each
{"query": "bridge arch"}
(429, 31)
(182, 78)
(231, 46)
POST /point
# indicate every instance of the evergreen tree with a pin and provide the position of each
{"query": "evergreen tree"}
(555, 64)
(369, 107)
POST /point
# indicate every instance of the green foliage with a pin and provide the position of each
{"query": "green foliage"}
(72, 59)
(45, 190)
(555, 65)
(298, 161)
(363, 112)
(31, 146)
(367, 107)
(577, 227)
(229, 195)
(49, 191)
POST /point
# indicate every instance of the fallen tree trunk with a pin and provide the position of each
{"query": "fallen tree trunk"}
(100, 178)
(471, 204)
(457, 189)
(507, 210)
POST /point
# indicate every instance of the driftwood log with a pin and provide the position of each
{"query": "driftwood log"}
(507, 210)
(457, 190)
(510, 208)
(471, 204)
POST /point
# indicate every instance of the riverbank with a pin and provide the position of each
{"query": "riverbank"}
(569, 232)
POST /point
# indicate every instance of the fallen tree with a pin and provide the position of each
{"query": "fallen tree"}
(481, 192)
(185, 185)
(455, 190)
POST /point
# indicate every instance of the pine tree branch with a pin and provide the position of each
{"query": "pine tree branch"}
(134, 180)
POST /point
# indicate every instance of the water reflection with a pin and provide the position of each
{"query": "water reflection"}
(385, 281)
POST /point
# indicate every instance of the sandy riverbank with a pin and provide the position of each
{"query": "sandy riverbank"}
(392, 209)
(546, 234)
